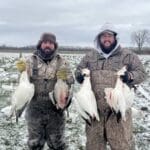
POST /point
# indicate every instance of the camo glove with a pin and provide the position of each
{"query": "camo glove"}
(21, 65)
(62, 74)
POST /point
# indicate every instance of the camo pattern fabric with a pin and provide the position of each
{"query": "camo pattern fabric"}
(48, 70)
(45, 122)
(103, 75)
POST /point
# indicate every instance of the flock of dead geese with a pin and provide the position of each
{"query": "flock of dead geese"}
(120, 98)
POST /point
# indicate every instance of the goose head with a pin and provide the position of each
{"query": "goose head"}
(122, 71)
(86, 72)
(24, 77)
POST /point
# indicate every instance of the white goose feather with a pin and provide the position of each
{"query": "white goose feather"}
(85, 99)
(121, 97)
(22, 95)
(61, 95)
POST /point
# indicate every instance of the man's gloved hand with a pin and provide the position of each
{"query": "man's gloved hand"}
(21, 65)
(62, 74)
(79, 77)
(127, 77)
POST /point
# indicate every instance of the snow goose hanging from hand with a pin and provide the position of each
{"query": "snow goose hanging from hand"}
(22, 95)
(85, 99)
(61, 95)
(121, 97)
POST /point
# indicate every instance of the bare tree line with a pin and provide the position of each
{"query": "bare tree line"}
(141, 38)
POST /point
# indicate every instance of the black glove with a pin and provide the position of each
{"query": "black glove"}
(126, 78)
(79, 77)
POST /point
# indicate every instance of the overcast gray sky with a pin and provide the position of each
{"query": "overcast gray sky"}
(75, 22)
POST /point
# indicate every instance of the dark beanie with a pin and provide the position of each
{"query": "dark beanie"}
(47, 37)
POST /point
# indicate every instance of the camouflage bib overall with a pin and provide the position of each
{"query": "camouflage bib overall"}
(118, 135)
(45, 122)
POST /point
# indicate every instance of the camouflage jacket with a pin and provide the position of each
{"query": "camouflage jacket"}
(48, 70)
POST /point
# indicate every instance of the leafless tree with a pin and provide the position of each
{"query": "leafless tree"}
(140, 38)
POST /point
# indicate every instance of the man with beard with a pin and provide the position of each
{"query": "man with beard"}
(45, 122)
(103, 63)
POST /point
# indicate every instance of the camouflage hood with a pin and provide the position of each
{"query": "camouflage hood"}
(107, 28)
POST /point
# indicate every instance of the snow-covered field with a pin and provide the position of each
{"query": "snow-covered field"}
(14, 136)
